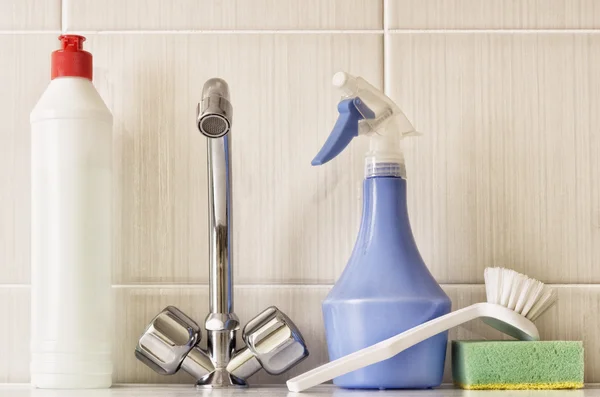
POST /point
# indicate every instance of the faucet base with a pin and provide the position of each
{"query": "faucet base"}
(220, 379)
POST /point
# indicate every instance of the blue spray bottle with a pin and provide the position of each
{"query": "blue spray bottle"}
(385, 288)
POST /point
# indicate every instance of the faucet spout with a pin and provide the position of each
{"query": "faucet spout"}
(214, 121)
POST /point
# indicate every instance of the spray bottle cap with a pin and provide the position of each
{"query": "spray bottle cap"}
(365, 110)
(71, 60)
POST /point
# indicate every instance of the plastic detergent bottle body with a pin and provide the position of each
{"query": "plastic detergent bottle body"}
(386, 289)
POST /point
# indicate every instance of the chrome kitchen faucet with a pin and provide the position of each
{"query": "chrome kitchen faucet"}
(171, 341)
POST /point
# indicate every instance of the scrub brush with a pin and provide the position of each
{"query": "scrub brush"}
(514, 302)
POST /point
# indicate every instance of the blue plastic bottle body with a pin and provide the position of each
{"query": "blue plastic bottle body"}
(386, 289)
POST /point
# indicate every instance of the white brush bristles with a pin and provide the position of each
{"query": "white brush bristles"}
(526, 296)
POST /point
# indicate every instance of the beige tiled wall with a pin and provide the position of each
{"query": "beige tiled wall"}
(493, 14)
(507, 172)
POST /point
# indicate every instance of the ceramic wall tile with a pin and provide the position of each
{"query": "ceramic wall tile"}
(292, 222)
(14, 334)
(573, 318)
(493, 14)
(26, 73)
(224, 14)
(19, 15)
(568, 320)
(505, 173)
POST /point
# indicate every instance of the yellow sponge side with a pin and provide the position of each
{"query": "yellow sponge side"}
(523, 386)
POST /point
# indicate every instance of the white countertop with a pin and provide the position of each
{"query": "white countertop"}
(280, 391)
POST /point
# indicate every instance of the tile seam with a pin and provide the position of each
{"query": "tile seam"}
(292, 32)
(278, 286)
(28, 32)
(494, 31)
(229, 31)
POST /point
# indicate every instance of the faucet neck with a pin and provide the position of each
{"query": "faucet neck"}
(220, 220)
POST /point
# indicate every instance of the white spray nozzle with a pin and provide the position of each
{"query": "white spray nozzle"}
(365, 110)
(345, 82)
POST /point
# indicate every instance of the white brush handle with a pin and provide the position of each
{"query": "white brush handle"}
(396, 344)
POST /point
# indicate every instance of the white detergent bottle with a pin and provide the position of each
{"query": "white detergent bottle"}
(71, 227)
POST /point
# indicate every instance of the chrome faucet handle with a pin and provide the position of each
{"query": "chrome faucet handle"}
(170, 343)
(273, 342)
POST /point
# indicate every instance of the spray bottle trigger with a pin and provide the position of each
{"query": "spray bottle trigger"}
(346, 128)
(363, 109)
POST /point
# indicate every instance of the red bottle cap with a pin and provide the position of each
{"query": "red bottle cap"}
(71, 59)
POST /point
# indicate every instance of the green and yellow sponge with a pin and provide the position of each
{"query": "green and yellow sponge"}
(516, 365)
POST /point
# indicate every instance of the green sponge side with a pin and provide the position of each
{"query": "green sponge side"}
(517, 364)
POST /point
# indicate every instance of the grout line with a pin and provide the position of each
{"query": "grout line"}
(225, 31)
(308, 286)
(26, 32)
(195, 286)
(278, 286)
(384, 31)
(163, 387)
(487, 31)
